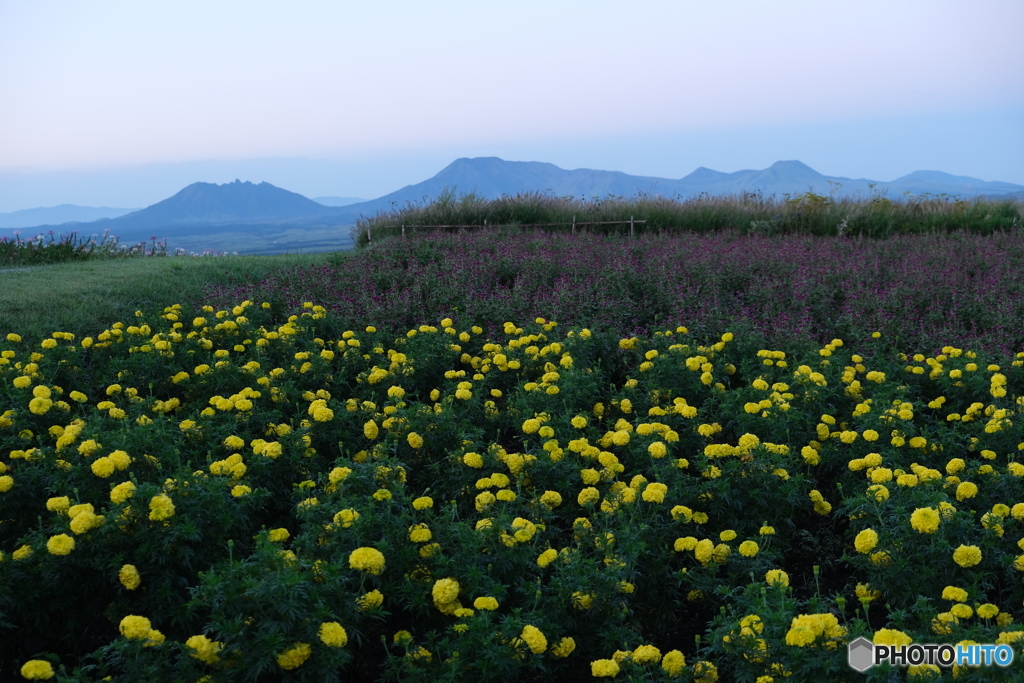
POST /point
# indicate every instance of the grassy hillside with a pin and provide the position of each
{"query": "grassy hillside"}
(805, 214)
(83, 297)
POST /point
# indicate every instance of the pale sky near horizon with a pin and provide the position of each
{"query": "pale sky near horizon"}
(122, 103)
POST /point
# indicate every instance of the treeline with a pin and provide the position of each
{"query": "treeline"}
(750, 213)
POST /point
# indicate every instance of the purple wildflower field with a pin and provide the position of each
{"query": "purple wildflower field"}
(921, 292)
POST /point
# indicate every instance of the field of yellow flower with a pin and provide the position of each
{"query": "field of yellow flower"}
(216, 495)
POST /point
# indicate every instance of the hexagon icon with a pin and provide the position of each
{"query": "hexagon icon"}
(861, 654)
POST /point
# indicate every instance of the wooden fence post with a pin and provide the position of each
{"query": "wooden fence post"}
(369, 236)
(574, 225)
(630, 226)
(403, 229)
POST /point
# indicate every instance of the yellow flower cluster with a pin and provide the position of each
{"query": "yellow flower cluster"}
(807, 628)
(369, 560)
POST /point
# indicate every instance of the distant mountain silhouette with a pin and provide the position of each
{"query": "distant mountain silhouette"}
(491, 177)
(208, 203)
(58, 215)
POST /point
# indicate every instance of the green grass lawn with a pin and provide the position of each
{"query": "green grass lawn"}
(85, 297)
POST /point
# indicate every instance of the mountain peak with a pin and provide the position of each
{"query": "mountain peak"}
(791, 165)
(237, 201)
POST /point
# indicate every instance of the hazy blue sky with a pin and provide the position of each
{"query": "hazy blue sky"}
(121, 103)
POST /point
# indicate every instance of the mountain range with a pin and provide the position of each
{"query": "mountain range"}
(256, 215)
(58, 215)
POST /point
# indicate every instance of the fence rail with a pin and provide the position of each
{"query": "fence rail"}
(632, 222)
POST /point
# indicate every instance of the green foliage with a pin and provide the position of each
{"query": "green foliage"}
(750, 213)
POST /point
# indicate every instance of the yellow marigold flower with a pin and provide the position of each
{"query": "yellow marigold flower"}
(370, 430)
(704, 550)
(58, 504)
(657, 449)
(445, 591)
(551, 499)
(37, 669)
(1009, 637)
(61, 544)
(879, 492)
(587, 496)
(237, 491)
(486, 603)
(484, 500)
(682, 511)
(564, 647)
(346, 518)
(129, 577)
(604, 668)
(776, 577)
(40, 406)
(799, 634)
(531, 426)
(766, 530)
(955, 594)
(534, 639)
(961, 611)
(727, 535)
(278, 535)
(161, 507)
(419, 533)
(925, 520)
(120, 459)
(102, 467)
(673, 663)
(654, 492)
(339, 474)
(415, 440)
(685, 543)
(866, 594)
(135, 627)
(6, 483)
(581, 600)
(646, 654)
(908, 480)
(891, 637)
(369, 560)
(967, 555)
(85, 521)
(966, 490)
(423, 502)
(370, 600)
(332, 634)
(295, 656)
(749, 548)
(866, 541)
(547, 557)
